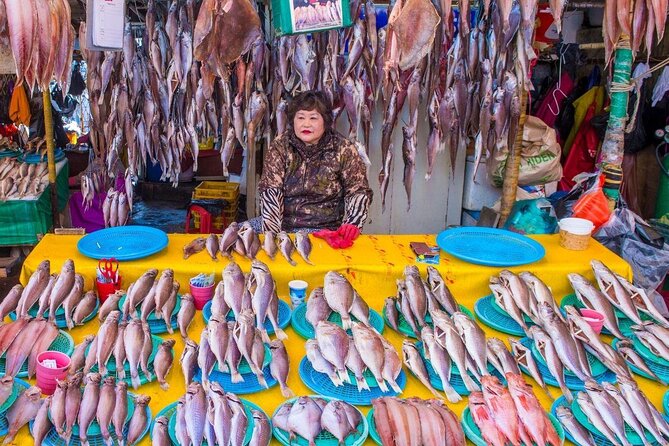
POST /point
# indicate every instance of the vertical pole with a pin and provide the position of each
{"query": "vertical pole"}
(512, 169)
(48, 135)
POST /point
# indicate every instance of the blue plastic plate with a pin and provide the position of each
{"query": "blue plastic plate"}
(283, 316)
(490, 246)
(302, 326)
(123, 243)
(249, 385)
(321, 384)
(486, 313)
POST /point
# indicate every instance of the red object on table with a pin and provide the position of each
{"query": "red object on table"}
(205, 219)
(105, 289)
(342, 238)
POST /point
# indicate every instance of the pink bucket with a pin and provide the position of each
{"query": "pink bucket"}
(201, 295)
(594, 318)
(46, 376)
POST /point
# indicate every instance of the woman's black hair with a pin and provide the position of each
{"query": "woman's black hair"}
(311, 100)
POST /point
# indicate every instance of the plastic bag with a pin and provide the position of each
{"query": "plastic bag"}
(532, 217)
(624, 234)
(593, 205)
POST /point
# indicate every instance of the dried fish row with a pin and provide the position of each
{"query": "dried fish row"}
(416, 421)
(308, 417)
(22, 340)
(21, 180)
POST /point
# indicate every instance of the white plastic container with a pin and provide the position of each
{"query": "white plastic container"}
(575, 233)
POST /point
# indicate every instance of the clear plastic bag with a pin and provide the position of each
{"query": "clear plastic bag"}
(621, 234)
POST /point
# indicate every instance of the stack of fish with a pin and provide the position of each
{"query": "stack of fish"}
(308, 417)
(22, 180)
(654, 337)
(213, 415)
(42, 41)
(512, 415)
(416, 421)
(106, 404)
(612, 412)
(253, 294)
(337, 295)
(24, 339)
(243, 240)
(116, 209)
(455, 340)
(129, 342)
(417, 297)
(158, 297)
(333, 352)
(48, 292)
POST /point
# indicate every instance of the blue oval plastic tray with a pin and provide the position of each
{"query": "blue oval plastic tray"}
(490, 246)
(486, 313)
(306, 330)
(123, 243)
(283, 316)
(571, 381)
(321, 384)
(661, 370)
(60, 314)
(19, 386)
(63, 343)
(249, 385)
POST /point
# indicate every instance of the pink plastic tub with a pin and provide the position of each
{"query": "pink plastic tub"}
(46, 377)
(201, 295)
(594, 318)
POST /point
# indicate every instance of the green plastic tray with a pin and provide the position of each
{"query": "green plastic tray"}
(167, 412)
(624, 323)
(111, 364)
(248, 407)
(502, 311)
(373, 433)
(662, 371)
(63, 343)
(325, 438)
(157, 325)
(596, 366)
(405, 328)
(19, 386)
(306, 330)
(60, 314)
(646, 353)
(244, 367)
(473, 432)
(488, 315)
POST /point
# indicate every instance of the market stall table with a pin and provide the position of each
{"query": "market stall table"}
(372, 265)
(21, 221)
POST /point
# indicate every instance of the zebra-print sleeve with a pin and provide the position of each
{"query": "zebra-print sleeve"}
(355, 209)
(271, 208)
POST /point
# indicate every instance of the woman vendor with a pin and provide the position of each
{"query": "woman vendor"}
(313, 178)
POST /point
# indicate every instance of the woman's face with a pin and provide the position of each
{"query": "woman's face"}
(309, 126)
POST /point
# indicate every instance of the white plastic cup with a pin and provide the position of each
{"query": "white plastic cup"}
(576, 226)
(298, 292)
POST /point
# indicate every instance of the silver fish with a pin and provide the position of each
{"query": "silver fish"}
(575, 429)
(626, 350)
(286, 247)
(333, 344)
(608, 409)
(643, 301)
(280, 366)
(415, 363)
(262, 432)
(441, 291)
(595, 300)
(359, 309)
(319, 363)
(523, 357)
(120, 408)
(196, 412)
(625, 410)
(303, 245)
(474, 339)
(338, 294)
(546, 348)
(446, 335)
(239, 421)
(440, 361)
(614, 290)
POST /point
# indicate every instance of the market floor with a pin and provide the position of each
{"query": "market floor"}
(169, 216)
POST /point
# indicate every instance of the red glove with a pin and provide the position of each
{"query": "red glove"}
(348, 232)
(342, 238)
(330, 237)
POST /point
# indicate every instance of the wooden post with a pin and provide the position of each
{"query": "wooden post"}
(512, 169)
(48, 135)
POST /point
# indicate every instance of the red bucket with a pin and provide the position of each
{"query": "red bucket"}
(105, 289)
(47, 376)
(202, 295)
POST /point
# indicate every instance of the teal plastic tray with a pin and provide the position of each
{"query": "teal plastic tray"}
(19, 386)
(306, 330)
(487, 313)
(405, 328)
(63, 343)
(283, 321)
(156, 325)
(60, 314)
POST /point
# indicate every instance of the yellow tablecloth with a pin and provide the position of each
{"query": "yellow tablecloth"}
(372, 265)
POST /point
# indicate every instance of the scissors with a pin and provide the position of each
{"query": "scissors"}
(109, 269)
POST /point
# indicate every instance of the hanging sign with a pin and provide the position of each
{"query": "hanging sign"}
(7, 65)
(302, 16)
(105, 21)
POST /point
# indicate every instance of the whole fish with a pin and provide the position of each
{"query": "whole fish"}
(44, 297)
(11, 301)
(625, 409)
(119, 350)
(140, 289)
(540, 292)
(303, 245)
(474, 340)
(588, 407)
(484, 420)
(196, 412)
(390, 310)
(535, 421)
(133, 342)
(504, 299)
(356, 365)
(218, 338)
(415, 363)
(163, 291)
(160, 434)
(107, 336)
(523, 357)
(269, 244)
(367, 341)
(440, 361)
(286, 247)
(147, 348)
(139, 420)
(186, 314)
(447, 335)
(106, 405)
(262, 431)
(72, 404)
(335, 420)
(643, 301)
(262, 296)
(42, 424)
(89, 404)
(188, 361)
(614, 290)
(24, 410)
(194, 247)
(504, 357)
(250, 239)
(57, 410)
(233, 356)
(317, 308)
(233, 283)
(333, 344)
(319, 363)
(228, 239)
(546, 348)
(441, 291)
(626, 350)
(163, 362)
(305, 418)
(280, 366)
(85, 308)
(120, 412)
(91, 357)
(21, 23)
(415, 294)
(409, 157)
(110, 304)
(239, 421)
(338, 294)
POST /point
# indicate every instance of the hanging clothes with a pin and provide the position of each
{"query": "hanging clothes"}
(552, 103)
(19, 106)
(595, 95)
(583, 154)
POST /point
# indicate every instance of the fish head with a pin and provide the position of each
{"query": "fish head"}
(45, 265)
(169, 343)
(62, 384)
(491, 383)
(276, 344)
(610, 388)
(187, 297)
(232, 270)
(68, 266)
(433, 277)
(7, 381)
(163, 421)
(427, 332)
(496, 344)
(476, 397)
(461, 321)
(190, 345)
(317, 293)
(535, 332)
(546, 311)
(194, 388)
(168, 273)
(259, 267)
(109, 381)
(142, 400)
(93, 378)
(515, 380)
(411, 270)
(592, 385)
(33, 393)
(564, 412)
(175, 286)
(408, 348)
(75, 380)
(152, 273)
(113, 316)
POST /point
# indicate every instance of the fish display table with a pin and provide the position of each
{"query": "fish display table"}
(372, 266)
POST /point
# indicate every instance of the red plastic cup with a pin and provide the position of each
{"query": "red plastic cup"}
(105, 289)
(201, 295)
(46, 377)
(594, 318)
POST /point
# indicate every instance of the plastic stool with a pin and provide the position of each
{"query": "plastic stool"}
(205, 219)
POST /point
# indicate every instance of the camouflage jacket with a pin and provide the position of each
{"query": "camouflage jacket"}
(319, 186)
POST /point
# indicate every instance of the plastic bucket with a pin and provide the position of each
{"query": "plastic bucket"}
(47, 376)
(202, 295)
(298, 292)
(105, 289)
(594, 318)
(575, 233)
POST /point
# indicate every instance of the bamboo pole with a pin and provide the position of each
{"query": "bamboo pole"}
(512, 168)
(48, 135)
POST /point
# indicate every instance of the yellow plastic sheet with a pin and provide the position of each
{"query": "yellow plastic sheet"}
(372, 265)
